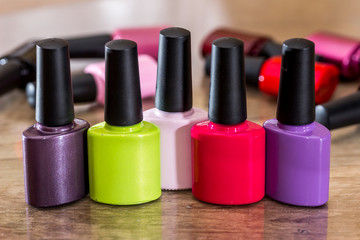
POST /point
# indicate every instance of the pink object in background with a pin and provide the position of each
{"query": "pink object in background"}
(147, 38)
(147, 70)
(342, 51)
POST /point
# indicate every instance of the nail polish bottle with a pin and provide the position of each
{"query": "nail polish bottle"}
(147, 39)
(340, 112)
(54, 149)
(90, 86)
(173, 111)
(228, 152)
(267, 76)
(17, 67)
(342, 51)
(297, 148)
(254, 45)
(124, 151)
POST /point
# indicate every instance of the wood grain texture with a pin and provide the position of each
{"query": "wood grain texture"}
(177, 214)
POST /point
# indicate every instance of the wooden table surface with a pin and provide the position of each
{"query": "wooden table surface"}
(177, 214)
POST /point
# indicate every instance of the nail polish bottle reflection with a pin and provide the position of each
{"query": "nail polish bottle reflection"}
(297, 147)
(295, 222)
(129, 222)
(54, 149)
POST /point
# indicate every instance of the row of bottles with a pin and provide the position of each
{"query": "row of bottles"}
(220, 154)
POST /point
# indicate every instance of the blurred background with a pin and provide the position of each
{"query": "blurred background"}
(22, 20)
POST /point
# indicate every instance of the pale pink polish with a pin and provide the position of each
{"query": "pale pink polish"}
(175, 142)
(174, 114)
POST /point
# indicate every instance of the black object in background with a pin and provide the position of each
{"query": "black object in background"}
(339, 113)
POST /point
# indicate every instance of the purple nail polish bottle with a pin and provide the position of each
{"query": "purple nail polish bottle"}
(297, 148)
(54, 148)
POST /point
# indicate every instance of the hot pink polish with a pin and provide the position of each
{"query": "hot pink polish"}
(174, 114)
(147, 38)
(228, 152)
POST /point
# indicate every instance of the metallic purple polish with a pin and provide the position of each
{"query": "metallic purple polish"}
(297, 163)
(55, 163)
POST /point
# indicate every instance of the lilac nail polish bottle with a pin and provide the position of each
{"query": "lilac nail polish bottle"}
(297, 148)
(54, 148)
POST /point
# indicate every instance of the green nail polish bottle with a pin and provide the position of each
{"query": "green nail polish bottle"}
(124, 151)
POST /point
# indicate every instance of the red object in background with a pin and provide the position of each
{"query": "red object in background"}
(228, 162)
(252, 43)
(326, 79)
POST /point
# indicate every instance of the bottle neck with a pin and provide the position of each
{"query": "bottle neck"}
(175, 115)
(124, 129)
(297, 129)
(58, 129)
(233, 128)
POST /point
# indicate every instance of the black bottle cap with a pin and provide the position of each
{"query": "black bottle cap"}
(174, 79)
(88, 47)
(54, 99)
(227, 102)
(271, 49)
(25, 53)
(84, 89)
(208, 64)
(18, 67)
(296, 100)
(10, 74)
(339, 113)
(252, 69)
(123, 106)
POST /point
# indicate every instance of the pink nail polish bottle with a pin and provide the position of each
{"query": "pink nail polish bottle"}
(339, 50)
(174, 114)
(147, 71)
(228, 151)
(147, 40)
(145, 37)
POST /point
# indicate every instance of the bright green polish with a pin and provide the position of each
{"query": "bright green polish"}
(124, 163)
